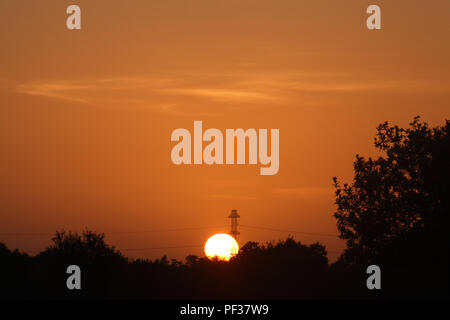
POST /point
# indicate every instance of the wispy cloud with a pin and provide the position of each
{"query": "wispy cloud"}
(304, 192)
(171, 91)
(63, 90)
(222, 94)
(231, 197)
(159, 91)
(123, 91)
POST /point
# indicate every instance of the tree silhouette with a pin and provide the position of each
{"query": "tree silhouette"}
(394, 214)
(87, 246)
(11, 263)
(99, 263)
(396, 210)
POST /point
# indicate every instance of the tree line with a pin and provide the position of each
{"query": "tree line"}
(394, 214)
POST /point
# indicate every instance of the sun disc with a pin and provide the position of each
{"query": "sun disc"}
(221, 246)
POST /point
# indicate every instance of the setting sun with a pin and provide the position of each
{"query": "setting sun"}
(221, 246)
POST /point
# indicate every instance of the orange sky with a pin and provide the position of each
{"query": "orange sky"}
(86, 116)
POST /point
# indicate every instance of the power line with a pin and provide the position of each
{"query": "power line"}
(115, 232)
(157, 248)
(160, 248)
(164, 230)
(176, 230)
(291, 231)
(188, 246)
(25, 234)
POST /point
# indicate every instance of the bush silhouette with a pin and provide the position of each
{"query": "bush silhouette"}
(394, 214)
(99, 262)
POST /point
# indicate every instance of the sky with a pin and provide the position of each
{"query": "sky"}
(86, 115)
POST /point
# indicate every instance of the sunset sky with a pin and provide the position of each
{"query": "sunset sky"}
(86, 115)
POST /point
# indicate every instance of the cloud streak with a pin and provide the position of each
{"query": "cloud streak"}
(170, 91)
(222, 94)
(304, 192)
(59, 90)
(230, 197)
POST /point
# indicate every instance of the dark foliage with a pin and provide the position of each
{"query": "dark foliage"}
(286, 269)
(394, 214)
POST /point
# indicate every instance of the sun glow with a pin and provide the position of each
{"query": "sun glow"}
(221, 246)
